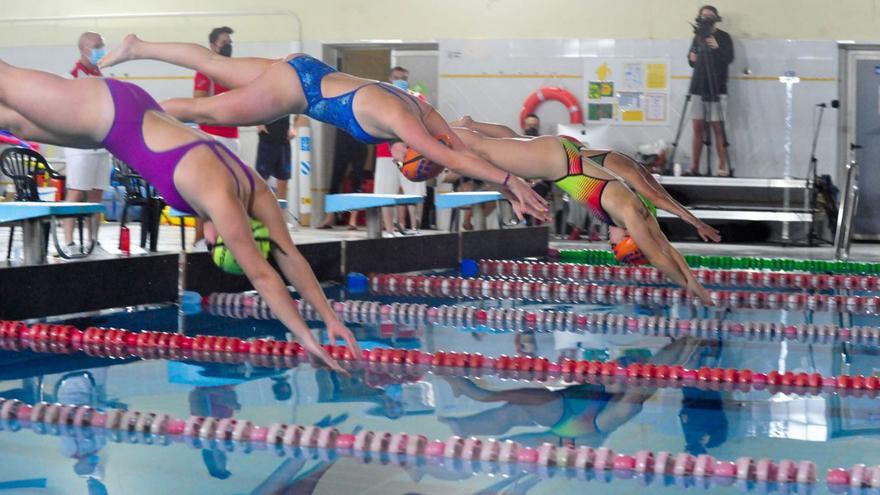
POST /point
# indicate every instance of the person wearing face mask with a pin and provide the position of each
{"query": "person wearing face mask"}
(532, 125)
(388, 180)
(220, 41)
(88, 171)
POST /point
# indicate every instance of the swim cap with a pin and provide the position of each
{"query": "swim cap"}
(222, 256)
(417, 168)
(628, 253)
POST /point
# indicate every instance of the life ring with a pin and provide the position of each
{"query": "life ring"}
(554, 93)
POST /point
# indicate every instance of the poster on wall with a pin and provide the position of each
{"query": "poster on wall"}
(627, 91)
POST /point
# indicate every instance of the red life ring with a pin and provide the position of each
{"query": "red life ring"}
(554, 93)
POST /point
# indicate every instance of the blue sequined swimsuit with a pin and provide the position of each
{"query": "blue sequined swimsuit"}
(336, 111)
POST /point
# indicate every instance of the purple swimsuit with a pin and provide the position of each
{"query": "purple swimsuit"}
(126, 142)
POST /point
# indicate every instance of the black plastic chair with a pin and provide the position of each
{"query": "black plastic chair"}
(139, 192)
(23, 165)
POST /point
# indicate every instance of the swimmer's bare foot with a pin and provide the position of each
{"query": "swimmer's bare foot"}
(457, 384)
(122, 53)
(465, 122)
(452, 423)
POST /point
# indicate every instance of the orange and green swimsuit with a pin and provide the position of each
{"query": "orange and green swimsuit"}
(584, 188)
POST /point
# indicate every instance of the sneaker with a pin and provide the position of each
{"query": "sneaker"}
(575, 235)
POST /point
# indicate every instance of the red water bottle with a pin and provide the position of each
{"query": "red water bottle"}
(124, 240)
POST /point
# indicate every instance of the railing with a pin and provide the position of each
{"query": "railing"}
(848, 204)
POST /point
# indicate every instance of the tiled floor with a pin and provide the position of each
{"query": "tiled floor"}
(169, 241)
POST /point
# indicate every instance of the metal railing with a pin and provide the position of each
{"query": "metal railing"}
(848, 204)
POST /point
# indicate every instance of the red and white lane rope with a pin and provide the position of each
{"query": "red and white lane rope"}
(111, 342)
(248, 305)
(651, 275)
(583, 293)
(289, 437)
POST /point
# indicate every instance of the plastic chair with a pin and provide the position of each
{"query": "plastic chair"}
(23, 165)
(139, 192)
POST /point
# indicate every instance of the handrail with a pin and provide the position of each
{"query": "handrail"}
(849, 203)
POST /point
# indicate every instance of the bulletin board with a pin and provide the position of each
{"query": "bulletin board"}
(627, 91)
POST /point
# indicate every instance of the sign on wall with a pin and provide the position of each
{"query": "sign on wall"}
(627, 91)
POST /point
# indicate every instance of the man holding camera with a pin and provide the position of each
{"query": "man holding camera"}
(710, 55)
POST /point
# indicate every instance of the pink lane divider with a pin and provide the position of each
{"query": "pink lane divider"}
(648, 274)
(569, 292)
(411, 364)
(521, 320)
(367, 442)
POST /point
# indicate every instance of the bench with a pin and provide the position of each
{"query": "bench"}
(468, 199)
(335, 203)
(33, 216)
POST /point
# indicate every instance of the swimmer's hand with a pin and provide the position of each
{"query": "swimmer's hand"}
(317, 351)
(707, 232)
(695, 289)
(527, 200)
(336, 331)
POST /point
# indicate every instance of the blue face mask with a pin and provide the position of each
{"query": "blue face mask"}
(401, 83)
(97, 54)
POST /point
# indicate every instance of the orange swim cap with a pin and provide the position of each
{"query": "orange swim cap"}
(628, 252)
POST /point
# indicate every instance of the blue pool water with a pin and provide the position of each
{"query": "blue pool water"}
(828, 429)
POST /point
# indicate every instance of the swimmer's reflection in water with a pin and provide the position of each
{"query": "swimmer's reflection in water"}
(586, 414)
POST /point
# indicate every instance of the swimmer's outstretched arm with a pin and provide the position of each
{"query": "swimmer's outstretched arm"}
(485, 128)
(645, 184)
(297, 270)
(646, 233)
(232, 72)
(419, 135)
(227, 213)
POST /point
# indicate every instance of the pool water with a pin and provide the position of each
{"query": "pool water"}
(829, 429)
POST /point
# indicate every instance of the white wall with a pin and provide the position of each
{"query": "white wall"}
(756, 116)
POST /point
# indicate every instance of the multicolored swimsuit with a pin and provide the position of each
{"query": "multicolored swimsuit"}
(584, 188)
(587, 189)
(126, 141)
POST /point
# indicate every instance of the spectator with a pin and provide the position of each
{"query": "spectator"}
(220, 41)
(388, 179)
(273, 153)
(349, 156)
(398, 151)
(532, 125)
(710, 55)
(87, 171)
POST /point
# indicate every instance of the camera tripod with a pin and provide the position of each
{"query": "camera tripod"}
(813, 180)
(705, 61)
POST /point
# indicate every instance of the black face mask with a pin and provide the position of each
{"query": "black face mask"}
(531, 131)
(226, 50)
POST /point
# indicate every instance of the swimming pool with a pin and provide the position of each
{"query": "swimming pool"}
(832, 428)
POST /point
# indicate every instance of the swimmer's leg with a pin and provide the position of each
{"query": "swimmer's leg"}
(232, 72)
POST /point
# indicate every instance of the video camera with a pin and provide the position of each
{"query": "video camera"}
(705, 26)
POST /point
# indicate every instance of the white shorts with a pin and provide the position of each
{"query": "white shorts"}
(87, 169)
(717, 109)
(410, 187)
(387, 179)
